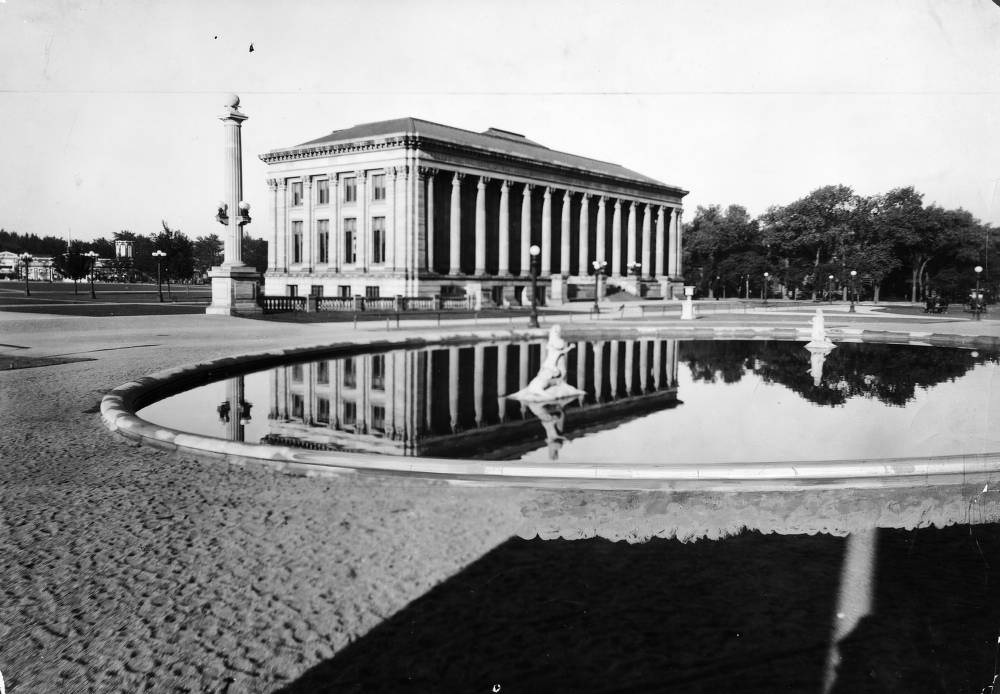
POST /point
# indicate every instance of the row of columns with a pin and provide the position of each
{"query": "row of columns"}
(667, 261)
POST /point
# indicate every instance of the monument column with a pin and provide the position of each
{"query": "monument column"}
(480, 268)
(647, 250)
(601, 224)
(616, 240)
(455, 239)
(525, 268)
(630, 244)
(234, 285)
(430, 220)
(672, 245)
(564, 230)
(504, 263)
(660, 250)
(584, 257)
(546, 232)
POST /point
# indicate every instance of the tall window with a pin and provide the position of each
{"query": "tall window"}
(292, 289)
(296, 242)
(350, 240)
(350, 418)
(371, 292)
(378, 372)
(344, 291)
(350, 189)
(378, 419)
(297, 373)
(323, 191)
(298, 406)
(378, 187)
(378, 239)
(296, 193)
(323, 410)
(350, 373)
(323, 237)
(323, 372)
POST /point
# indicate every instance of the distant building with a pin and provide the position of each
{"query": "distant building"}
(409, 207)
(41, 268)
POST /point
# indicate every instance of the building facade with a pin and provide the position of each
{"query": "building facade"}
(413, 208)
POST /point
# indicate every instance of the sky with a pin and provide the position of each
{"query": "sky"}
(109, 109)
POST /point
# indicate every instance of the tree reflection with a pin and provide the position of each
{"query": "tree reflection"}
(890, 373)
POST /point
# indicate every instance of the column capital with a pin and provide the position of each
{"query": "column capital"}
(426, 172)
(601, 199)
(504, 184)
(360, 175)
(307, 181)
(585, 197)
(548, 191)
(528, 187)
(457, 178)
(483, 180)
(618, 204)
(334, 180)
(392, 172)
(272, 183)
(633, 206)
(282, 182)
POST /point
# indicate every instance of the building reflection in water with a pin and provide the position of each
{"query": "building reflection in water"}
(234, 411)
(450, 401)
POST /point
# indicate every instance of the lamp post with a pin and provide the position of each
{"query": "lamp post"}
(533, 320)
(93, 264)
(598, 266)
(763, 291)
(159, 255)
(26, 258)
(854, 274)
(977, 308)
(829, 289)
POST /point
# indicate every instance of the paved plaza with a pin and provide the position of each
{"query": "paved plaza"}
(130, 569)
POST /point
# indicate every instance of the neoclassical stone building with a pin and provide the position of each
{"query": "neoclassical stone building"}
(414, 208)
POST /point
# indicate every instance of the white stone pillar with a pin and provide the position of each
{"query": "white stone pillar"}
(546, 232)
(309, 231)
(671, 375)
(584, 256)
(503, 268)
(629, 365)
(418, 252)
(613, 369)
(391, 249)
(480, 268)
(630, 243)
(455, 240)
(647, 250)
(678, 263)
(453, 387)
(272, 216)
(657, 364)
(281, 226)
(362, 223)
(598, 371)
(501, 381)
(428, 357)
(430, 220)
(232, 121)
(478, 368)
(643, 365)
(672, 245)
(661, 251)
(564, 231)
(522, 370)
(601, 240)
(616, 240)
(581, 365)
(336, 226)
(525, 268)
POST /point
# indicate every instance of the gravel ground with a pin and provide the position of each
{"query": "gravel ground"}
(128, 569)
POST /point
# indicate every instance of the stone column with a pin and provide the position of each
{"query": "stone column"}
(581, 365)
(564, 230)
(671, 375)
(661, 251)
(629, 365)
(643, 365)
(453, 387)
(677, 249)
(647, 250)
(336, 228)
(657, 364)
(630, 243)
(455, 240)
(522, 370)
(428, 357)
(501, 381)
(480, 269)
(672, 245)
(281, 227)
(546, 232)
(598, 371)
(362, 224)
(309, 230)
(390, 220)
(417, 256)
(525, 269)
(584, 256)
(430, 220)
(616, 240)
(272, 209)
(232, 121)
(504, 264)
(601, 240)
(478, 369)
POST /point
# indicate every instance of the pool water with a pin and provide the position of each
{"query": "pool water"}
(647, 401)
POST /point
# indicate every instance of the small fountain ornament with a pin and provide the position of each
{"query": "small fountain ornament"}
(819, 347)
(549, 384)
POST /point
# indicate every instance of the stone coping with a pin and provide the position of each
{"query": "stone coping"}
(119, 407)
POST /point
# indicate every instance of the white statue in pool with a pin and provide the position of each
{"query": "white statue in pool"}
(550, 382)
(819, 347)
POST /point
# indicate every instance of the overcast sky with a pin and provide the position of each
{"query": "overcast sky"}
(108, 110)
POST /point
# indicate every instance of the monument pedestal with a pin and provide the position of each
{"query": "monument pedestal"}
(234, 291)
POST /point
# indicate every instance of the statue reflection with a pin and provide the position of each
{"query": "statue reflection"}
(819, 347)
(234, 411)
(552, 415)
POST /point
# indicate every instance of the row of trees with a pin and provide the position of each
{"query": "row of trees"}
(898, 246)
(185, 258)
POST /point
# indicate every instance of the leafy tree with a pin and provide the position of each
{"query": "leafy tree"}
(73, 264)
(254, 253)
(207, 253)
(179, 261)
(722, 248)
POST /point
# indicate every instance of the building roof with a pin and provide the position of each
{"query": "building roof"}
(493, 140)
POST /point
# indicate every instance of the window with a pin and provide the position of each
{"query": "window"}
(296, 242)
(350, 189)
(371, 292)
(292, 289)
(323, 236)
(297, 373)
(323, 191)
(378, 418)
(378, 239)
(296, 193)
(323, 410)
(316, 290)
(378, 187)
(298, 406)
(350, 240)
(323, 372)
(378, 372)
(350, 373)
(344, 291)
(350, 418)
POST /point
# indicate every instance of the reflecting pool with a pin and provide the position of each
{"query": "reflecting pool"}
(645, 400)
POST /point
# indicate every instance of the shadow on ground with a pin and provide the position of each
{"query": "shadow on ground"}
(752, 613)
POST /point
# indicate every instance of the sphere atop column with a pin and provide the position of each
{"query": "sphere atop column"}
(233, 101)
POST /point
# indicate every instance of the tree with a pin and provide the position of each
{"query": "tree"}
(73, 264)
(722, 248)
(207, 253)
(254, 252)
(179, 261)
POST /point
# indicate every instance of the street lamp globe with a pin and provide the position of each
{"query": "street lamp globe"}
(534, 250)
(533, 319)
(853, 290)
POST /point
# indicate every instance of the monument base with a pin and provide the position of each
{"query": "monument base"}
(234, 291)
